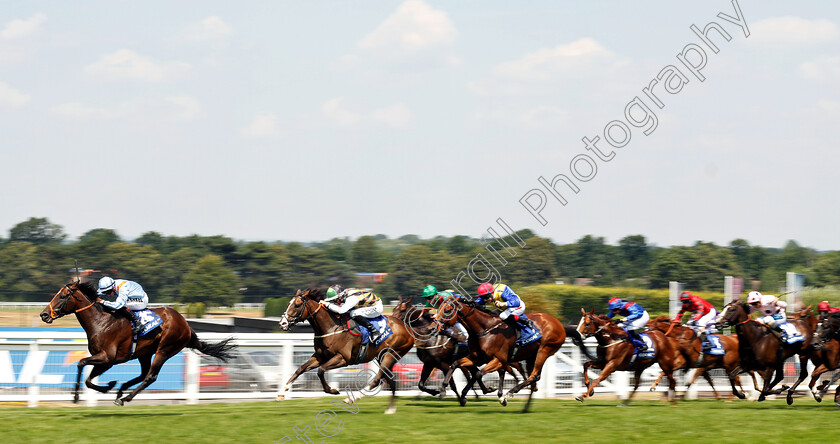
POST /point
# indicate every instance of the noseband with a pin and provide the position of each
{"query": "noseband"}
(59, 311)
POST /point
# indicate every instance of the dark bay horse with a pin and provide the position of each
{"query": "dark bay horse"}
(434, 350)
(336, 346)
(826, 356)
(615, 352)
(690, 346)
(762, 350)
(492, 341)
(110, 337)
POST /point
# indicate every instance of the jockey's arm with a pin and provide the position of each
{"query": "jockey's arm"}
(348, 304)
(122, 298)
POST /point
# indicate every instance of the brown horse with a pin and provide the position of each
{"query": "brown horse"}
(110, 339)
(336, 346)
(434, 350)
(826, 356)
(615, 352)
(687, 342)
(762, 350)
(493, 341)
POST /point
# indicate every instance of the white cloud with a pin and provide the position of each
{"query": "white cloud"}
(126, 65)
(20, 29)
(543, 64)
(265, 124)
(821, 69)
(544, 117)
(396, 116)
(211, 28)
(414, 26)
(793, 30)
(178, 109)
(12, 98)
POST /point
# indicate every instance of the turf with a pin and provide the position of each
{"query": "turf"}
(427, 420)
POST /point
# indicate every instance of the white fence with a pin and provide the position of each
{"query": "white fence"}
(40, 366)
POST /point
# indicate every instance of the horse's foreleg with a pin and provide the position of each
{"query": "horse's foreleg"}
(463, 362)
(609, 367)
(637, 376)
(708, 379)
(335, 362)
(535, 368)
(313, 362)
(815, 376)
(97, 360)
(732, 374)
(656, 383)
(769, 374)
(803, 373)
(424, 375)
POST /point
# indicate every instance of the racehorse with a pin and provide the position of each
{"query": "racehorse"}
(762, 350)
(689, 345)
(434, 350)
(336, 346)
(110, 339)
(616, 352)
(827, 355)
(493, 340)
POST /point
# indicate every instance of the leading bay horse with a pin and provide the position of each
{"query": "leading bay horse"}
(615, 352)
(492, 340)
(762, 350)
(336, 346)
(110, 339)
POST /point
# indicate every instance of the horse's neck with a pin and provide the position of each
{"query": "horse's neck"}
(322, 320)
(477, 321)
(94, 319)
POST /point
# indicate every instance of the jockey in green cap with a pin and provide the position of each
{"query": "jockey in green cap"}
(433, 300)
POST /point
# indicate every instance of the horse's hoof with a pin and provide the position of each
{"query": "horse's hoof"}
(579, 398)
(76, 398)
(503, 402)
(333, 392)
(622, 405)
(740, 395)
(119, 402)
(280, 398)
(391, 411)
(462, 401)
(789, 399)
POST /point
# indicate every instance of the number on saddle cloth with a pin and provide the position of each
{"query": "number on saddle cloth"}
(148, 319)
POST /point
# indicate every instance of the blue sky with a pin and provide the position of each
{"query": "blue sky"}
(311, 120)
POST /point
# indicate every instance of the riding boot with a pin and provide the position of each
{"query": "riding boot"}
(638, 341)
(138, 325)
(455, 335)
(365, 322)
(704, 341)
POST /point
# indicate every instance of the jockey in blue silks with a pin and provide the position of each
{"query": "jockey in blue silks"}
(635, 319)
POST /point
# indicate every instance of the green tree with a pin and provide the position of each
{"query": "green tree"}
(701, 267)
(210, 281)
(90, 249)
(142, 264)
(635, 256)
(827, 269)
(366, 256)
(176, 265)
(533, 264)
(417, 266)
(263, 269)
(37, 230)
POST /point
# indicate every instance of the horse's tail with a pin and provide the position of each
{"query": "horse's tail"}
(221, 350)
(571, 332)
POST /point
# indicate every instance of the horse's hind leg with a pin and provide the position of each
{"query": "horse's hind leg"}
(424, 375)
(335, 362)
(656, 383)
(151, 376)
(803, 373)
(145, 363)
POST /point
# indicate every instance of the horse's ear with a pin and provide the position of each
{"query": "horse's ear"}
(582, 311)
(411, 299)
(592, 312)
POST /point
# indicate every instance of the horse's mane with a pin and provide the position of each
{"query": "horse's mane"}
(314, 293)
(662, 318)
(88, 290)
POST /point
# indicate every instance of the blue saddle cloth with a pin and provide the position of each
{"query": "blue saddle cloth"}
(527, 334)
(712, 346)
(650, 353)
(380, 324)
(149, 319)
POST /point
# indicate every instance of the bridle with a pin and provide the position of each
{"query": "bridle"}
(58, 312)
(299, 316)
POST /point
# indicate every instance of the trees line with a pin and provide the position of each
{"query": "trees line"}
(37, 258)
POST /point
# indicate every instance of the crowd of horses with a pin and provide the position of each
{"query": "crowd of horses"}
(492, 346)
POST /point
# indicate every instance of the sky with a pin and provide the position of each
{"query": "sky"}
(304, 121)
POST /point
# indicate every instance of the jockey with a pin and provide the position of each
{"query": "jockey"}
(505, 299)
(771, 311)
(635, 319)
(433, 300)
(824, 308)
(130, 298)
(362, 305)
(704, 315)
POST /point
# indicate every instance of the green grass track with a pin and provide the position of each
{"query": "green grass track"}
(428, 421)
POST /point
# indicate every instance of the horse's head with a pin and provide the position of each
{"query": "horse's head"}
(403, 306)
(590, 323)
(448, 311)
(733, 313)
(299, 307)
(71, 298)
(827, 329)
